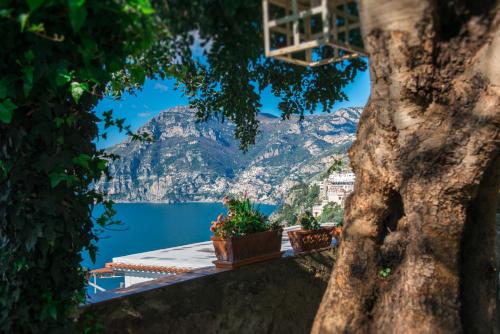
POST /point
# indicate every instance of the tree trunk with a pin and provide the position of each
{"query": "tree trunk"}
(427, 164)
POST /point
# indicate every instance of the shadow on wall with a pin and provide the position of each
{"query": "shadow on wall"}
(280, 296)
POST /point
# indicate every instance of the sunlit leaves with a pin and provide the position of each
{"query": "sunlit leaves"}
(77, 90)
(23, 20)
(63, 77)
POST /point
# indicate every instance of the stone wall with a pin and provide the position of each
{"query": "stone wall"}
(279, 296)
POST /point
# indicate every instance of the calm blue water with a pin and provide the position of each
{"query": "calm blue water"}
(148, 227)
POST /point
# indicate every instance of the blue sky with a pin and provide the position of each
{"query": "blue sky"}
(158, 95)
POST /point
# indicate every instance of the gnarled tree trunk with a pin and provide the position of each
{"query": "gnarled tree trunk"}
(427, 167)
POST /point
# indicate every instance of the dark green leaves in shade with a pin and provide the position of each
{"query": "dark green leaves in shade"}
(7, 108)
(58, 58)
(34, 4)
(77, 14)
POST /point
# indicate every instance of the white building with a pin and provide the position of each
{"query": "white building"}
(334, 189)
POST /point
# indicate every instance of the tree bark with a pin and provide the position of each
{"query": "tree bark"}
(427, 164)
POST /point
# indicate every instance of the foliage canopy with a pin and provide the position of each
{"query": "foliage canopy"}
(227, 81)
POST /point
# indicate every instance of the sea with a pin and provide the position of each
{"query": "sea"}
(150, 226)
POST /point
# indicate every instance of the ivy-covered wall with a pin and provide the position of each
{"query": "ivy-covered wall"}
(57, 59)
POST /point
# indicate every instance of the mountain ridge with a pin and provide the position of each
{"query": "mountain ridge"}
(192, 161)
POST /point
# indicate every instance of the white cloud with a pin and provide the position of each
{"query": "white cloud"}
(161, 87)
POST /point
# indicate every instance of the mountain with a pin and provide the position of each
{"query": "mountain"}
(200, 161)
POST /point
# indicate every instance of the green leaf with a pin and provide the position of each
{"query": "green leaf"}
(28, 80)
(5, 12)
(77, 90)
(53, 311)
(76, 3)
(4, 169)
(82, 160)
(137, 74)
(23, 20)
(34, 4)
(29, 56)
(6, 110)
(77, 14)
(145, 7)
(56, 178)
(71, 180)
(59, 121)
(71, 120)
(101, 164)
(37, 28)
(62, 77)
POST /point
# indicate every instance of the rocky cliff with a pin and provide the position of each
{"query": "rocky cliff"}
(200, 161)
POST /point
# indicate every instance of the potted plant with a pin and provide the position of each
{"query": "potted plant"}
(311, 236)
(244, 236)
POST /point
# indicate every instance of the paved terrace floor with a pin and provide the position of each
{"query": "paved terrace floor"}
(192, 256)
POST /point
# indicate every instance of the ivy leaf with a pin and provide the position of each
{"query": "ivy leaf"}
(77, 90)
(101, 164)
(6, 110)
(34, 4)
(28, 80)
(82, 160)
(71, 120)
(23, 20)
(77, 14)
(63, 76)
(56, 178)
(29, 56)
(145, 8)
(4, 169)
(58, 121)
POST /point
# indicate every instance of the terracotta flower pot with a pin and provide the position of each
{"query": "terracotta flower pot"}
(238, 251)
(307, 240)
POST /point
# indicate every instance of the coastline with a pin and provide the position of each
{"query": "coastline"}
(184, 202)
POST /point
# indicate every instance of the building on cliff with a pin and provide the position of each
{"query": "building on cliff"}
(334, 189)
